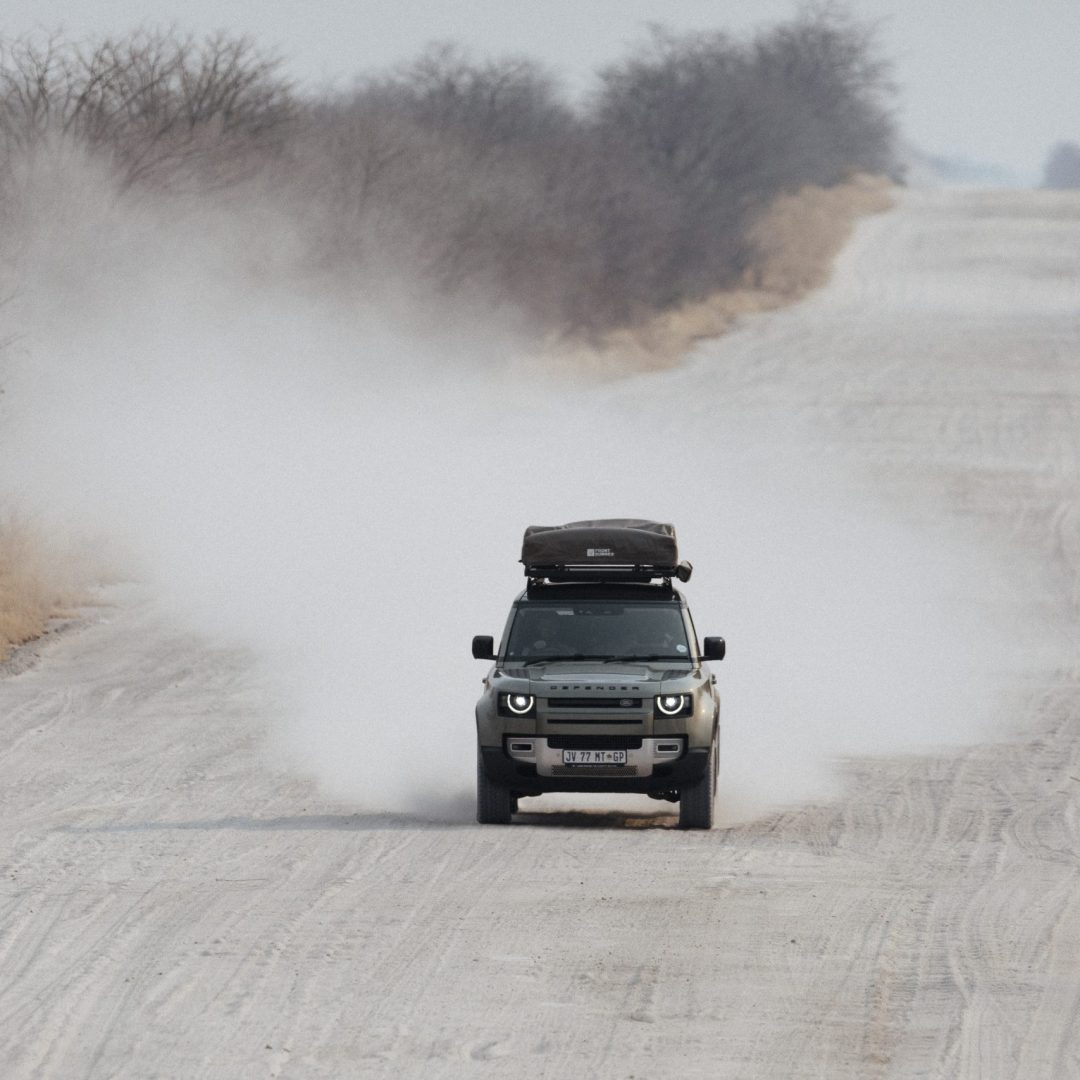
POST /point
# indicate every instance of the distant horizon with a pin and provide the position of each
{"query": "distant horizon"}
(989, 85)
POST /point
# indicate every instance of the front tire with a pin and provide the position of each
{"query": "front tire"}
(494, 803)
(696, 801)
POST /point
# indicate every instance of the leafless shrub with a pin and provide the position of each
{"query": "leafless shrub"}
(448, 168)
(160, 105)
(671, 109)
(726, 127)
(490, 106)
(835, 90)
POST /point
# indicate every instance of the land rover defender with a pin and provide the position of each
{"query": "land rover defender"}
(599, 681)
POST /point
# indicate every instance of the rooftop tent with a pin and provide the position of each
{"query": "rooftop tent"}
(619, 546)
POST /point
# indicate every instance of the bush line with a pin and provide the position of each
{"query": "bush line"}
(477, 177)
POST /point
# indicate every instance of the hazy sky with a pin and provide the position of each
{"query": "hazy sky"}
(992, 80)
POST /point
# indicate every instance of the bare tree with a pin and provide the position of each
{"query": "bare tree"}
(684, 107)
(489, 105)
(725, 127)
(835, 90)
(159, 104)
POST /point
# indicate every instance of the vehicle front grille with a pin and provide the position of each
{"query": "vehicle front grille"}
(594, 703)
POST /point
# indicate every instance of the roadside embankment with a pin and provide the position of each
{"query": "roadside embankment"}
(794, 242)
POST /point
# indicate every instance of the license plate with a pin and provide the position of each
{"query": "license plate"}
(594, 757)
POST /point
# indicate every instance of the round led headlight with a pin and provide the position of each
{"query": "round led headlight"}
(519, 704)
(671, 704)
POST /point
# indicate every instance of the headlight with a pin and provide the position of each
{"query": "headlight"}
(518, 704)
(673, 704)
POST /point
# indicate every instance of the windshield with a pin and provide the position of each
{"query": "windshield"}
(598, 631)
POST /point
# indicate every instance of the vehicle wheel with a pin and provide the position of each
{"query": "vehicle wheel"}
(494, 804)
(696, 800)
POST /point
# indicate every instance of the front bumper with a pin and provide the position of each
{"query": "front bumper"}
(647, 770)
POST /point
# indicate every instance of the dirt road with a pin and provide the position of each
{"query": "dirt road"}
(174, 906)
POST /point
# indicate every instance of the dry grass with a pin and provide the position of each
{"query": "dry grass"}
(37, 584)
(801, 235)
(796, 242)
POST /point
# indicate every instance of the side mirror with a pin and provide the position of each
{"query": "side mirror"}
(714, 649)
(483, 647)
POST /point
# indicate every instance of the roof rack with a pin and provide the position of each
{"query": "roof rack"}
(614, 572)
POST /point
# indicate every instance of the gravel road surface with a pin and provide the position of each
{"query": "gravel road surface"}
(172, 905)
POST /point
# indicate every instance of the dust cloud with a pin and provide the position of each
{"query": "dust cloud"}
(343, 490)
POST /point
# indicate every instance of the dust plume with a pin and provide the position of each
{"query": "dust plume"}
(344, 490)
